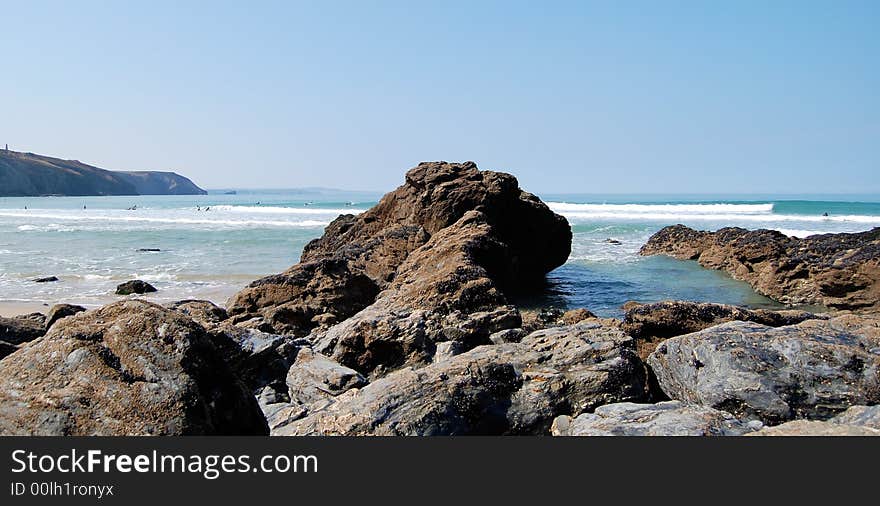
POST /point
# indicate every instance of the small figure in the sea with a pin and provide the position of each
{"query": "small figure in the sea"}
(84, 207)
(198, 208)
(825, 214)
(25, 208)
(258, 203)
(208, 208)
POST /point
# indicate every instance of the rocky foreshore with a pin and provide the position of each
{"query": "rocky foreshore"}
(840, 271)
(400, 321)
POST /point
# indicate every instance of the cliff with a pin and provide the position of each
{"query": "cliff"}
(30, 175)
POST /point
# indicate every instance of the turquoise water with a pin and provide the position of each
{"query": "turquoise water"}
(92, 243)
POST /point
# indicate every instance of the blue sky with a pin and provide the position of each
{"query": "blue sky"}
(589, 97)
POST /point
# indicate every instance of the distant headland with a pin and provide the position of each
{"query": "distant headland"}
(31, 175)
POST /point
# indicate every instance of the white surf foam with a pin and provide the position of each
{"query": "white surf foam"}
(284, 210)
(664, 209)
(675, 213)
(205, 219)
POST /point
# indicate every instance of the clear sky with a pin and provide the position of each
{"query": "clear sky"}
(598, 97)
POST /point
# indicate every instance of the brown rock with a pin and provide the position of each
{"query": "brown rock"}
(205, 313)
(573, 316)
(128, 368)
(442, 292)
(835, 270)
(358, 256)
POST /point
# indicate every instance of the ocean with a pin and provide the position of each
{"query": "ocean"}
(213, 245)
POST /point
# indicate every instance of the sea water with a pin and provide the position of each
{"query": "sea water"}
(210, 246)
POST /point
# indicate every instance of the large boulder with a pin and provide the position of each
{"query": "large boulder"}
(814, 370)
(670, 418)
(342, 272)
(653, 323)
(835, 270)
(129, 368)
(443, 291)
(510, 388)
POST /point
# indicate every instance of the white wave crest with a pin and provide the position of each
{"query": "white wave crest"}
(204, 219)
(284, 210)
(664, 209)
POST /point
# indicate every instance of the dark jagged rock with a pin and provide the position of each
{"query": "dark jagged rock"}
(669, 418)
(129, 368)
(835, 270)
(815, 369)
(47, 279)
(6, 349)
(257, 358)
(511, 388)
(653, 323)
(135, 286)
(21, 329)
(342, 272)
(59, 311)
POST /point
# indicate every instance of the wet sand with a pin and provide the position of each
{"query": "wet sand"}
(12, 308)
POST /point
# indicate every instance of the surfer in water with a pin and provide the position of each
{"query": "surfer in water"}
(825, 214)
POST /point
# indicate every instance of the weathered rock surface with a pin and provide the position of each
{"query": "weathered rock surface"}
(815, 428)
(510, 388)
(653, 323)
(863, 416)
(834, 270)
(21, 329)
(814, 370)
(135, 286)
(205, 313)
(342, 273)
(59, 311)
(670, 418)
(128, 368)
(315, 377)
(257, 358)
(441, 292)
